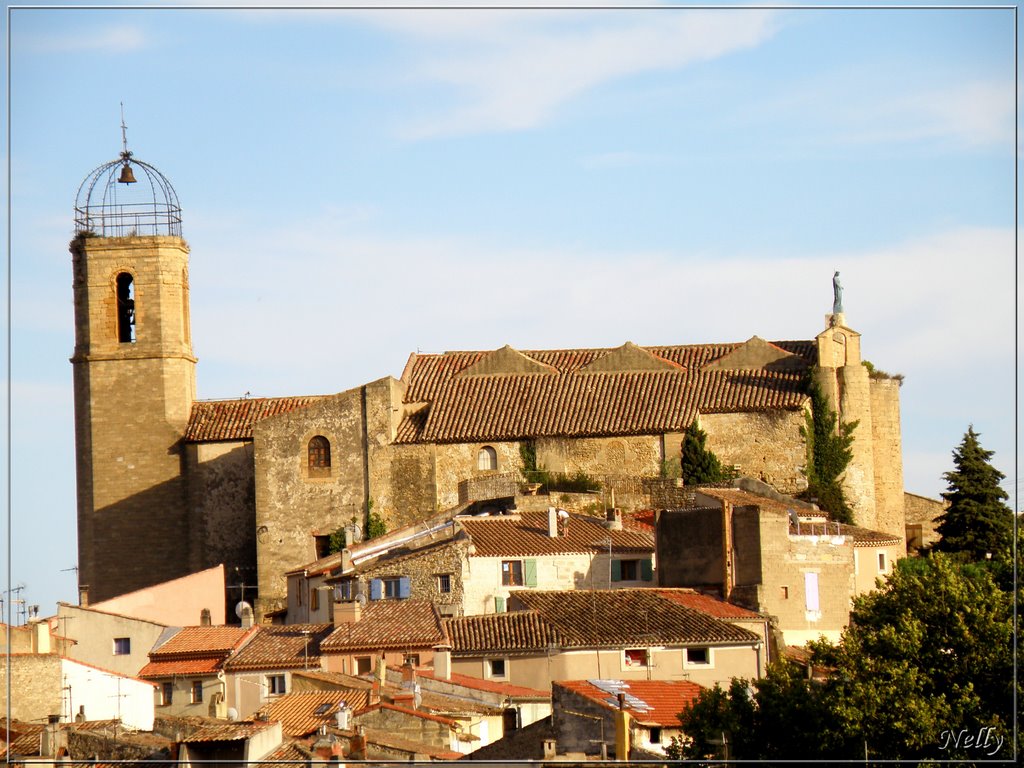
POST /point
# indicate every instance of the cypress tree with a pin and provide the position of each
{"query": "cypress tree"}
(699, 463)
(829, 451)
(977, 522)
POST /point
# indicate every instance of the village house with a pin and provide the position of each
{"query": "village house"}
(612, 717)
(784, 560)
(110, 640)
(187, 666)
(261, 670)
(633, 634)
(470, 563)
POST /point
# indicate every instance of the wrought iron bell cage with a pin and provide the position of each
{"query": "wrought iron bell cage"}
(107, 206)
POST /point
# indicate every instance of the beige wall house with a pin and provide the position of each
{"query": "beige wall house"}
(187, 666)
(776, 556)
(110, 640)
(193, 599)
(632, 634)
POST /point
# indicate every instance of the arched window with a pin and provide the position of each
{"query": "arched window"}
(319, 453)
(125, 308)
(487, 458)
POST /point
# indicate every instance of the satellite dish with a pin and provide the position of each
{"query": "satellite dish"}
(232, 714)
(241, 608)
(361, 598)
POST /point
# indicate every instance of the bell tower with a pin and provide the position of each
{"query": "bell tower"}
(134, 379)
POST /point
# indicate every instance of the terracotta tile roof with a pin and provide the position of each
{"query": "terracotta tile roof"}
(491, 686)
(24, 738)
(242, 729)
(410, 712)
(281, 646)
(574, 402)
(297, 711)
(214, 420)
(706, 604)
(336, 679)
(203, 641)
(289, 752)
(588, 619)
(512, 631)
(389, 624)
(527, 534)
(204, 666)
(651, 702)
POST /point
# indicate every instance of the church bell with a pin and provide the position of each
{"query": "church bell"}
(127, 177)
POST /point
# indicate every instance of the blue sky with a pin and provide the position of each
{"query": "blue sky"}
(358, 185)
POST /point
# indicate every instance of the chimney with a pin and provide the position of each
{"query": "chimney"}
(408, 675)
(443, 663)
(205, 619)
(552, 522)
(357, 745)
(613, 519)
(348, 612)
(549, 749)
(246, 616)
(342, 716)
(622, 735)
(83, 595)
(51, 737)
(40, 636)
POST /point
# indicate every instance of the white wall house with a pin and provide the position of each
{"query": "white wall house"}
(105, 695)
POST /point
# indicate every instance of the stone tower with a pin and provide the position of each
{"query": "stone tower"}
(134, 379)
(873, 482)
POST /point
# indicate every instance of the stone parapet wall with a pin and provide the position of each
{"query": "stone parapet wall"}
(35, 685)
(766, 445)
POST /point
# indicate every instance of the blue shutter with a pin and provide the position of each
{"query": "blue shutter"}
(403, 587)
(616, 570)
(376, 589)
(647, 570)
(499, 604)
(530, 573)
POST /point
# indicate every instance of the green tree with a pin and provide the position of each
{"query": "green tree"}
(978, 524)
(927, 655)
(829, 450)
(699, 463)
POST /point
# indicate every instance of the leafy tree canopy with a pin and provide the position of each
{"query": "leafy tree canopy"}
(978, 524)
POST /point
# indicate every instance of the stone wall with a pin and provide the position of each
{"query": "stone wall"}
(890, 515)
(35, 685)
(766, 445)
(222, 508)
(422, 567)
(921, 513)
(630, 455)
(291, 505)
(424, 730)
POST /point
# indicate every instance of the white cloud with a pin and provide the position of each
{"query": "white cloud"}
(120, 38)
(517, 76)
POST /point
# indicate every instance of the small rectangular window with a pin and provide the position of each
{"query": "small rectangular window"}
(412, 659)
(698, 656)
(784, 593)
(444, 583)
(122, 646)
(655, 736)
(635, 657)
(343, 591)
(166, 693)
(364, 665)
(392, 588)
(881, 562)
(496, 668)
(314, 599)
(275, 685)
(197, 691)
(512, 573)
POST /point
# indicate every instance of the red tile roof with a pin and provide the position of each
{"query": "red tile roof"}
(527, 534)
(651, 702)
(389, 624)
(575, 402)
(227, 731)
(590, 619)
(706, 604)
(204, 666)
(515, 630)
(281, 646)
(491, 686)
(297, 711)
(215, 420)
(201, 641)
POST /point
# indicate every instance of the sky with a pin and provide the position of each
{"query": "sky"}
(359, 185)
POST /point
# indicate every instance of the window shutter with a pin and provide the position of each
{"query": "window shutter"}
(616, 570)
(811, 591)
(499, 604)
(376, 589)
(403, 587)
(647, 570)
(530, 572)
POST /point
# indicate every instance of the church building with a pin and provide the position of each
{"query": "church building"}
(169, 485)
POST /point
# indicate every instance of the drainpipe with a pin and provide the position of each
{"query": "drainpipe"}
(727, 564)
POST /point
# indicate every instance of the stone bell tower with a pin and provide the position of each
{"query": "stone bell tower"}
(134, 379)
